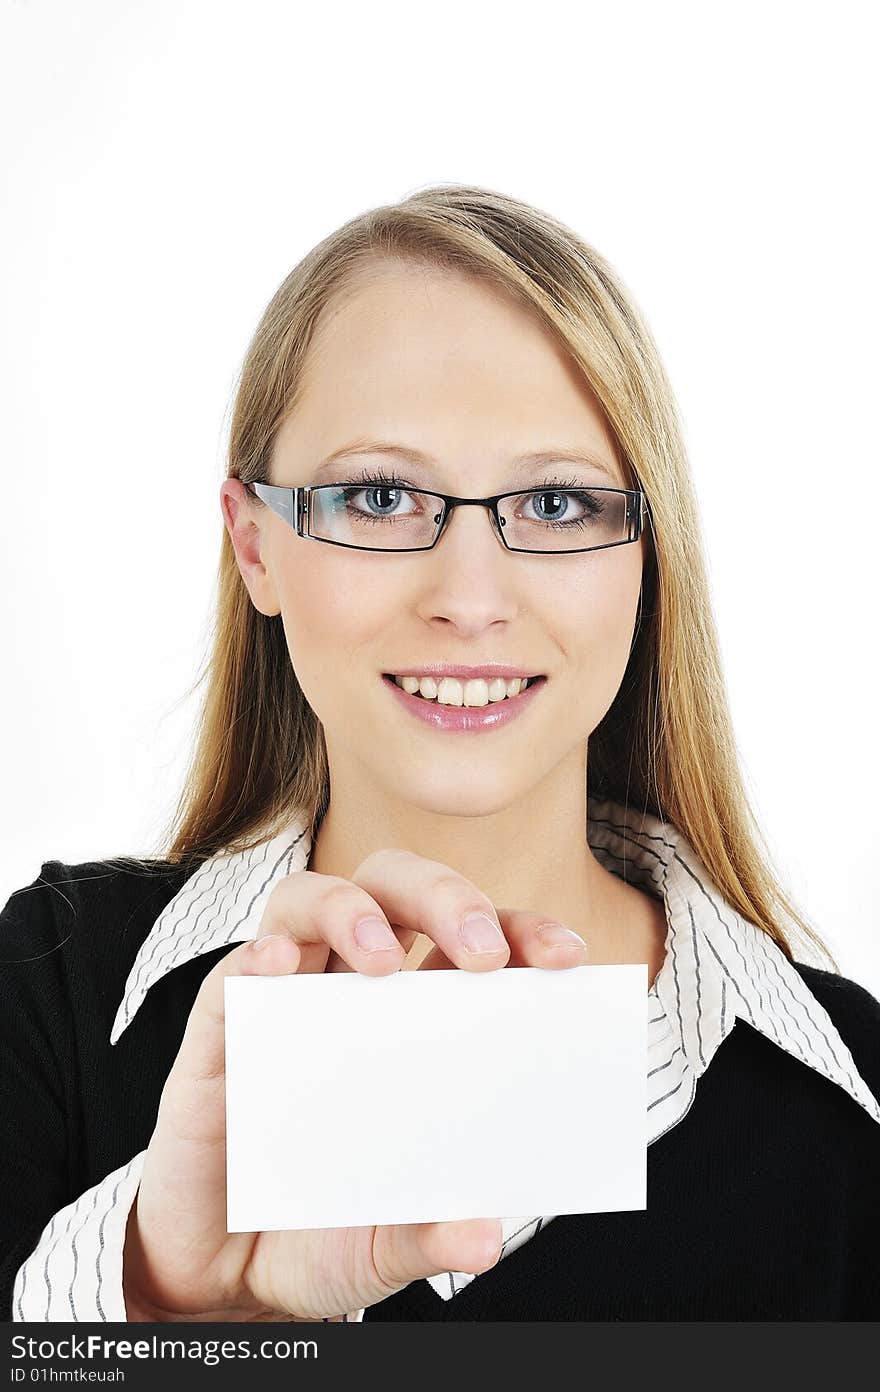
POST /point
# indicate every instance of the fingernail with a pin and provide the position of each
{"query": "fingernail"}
(259, 943)
(555, 935)
(372, 935)
(480, 934)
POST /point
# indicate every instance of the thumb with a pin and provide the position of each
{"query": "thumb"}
(407, 1252)
(202, 1053)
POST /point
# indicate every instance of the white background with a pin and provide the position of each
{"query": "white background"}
(164, 165)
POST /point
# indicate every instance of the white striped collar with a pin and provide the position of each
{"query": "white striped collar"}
(718, 966)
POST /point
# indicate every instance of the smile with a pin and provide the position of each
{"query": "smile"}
(489, 715)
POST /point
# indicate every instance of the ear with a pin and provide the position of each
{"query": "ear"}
(246, 523)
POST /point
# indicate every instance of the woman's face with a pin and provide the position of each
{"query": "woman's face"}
(446, 364)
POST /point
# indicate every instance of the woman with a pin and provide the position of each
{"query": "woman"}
(457, 347)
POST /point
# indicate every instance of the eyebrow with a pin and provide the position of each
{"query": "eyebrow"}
(520, 462)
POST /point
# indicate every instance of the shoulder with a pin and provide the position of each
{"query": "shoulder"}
(63, 892)
(855, 1014)
(95, 909)
(851, 1006)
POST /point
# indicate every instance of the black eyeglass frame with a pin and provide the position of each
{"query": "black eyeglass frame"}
(292, 506)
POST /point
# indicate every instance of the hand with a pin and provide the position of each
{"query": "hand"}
(180, 1263)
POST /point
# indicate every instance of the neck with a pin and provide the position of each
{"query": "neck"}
(526, 856)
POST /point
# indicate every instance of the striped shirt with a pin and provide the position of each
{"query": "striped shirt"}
(718, 968)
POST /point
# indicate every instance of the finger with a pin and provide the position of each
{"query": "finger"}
(535, 941)
(407, 1252)
(406, 937)
(436, 901)
(326, 914)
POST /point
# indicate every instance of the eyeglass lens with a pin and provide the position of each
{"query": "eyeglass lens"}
(546, 519)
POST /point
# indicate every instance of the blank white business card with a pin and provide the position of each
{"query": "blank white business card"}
(428, 1096)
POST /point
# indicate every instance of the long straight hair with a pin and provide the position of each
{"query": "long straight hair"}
(666, 744)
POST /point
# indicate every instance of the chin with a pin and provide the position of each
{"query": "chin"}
(470, 794)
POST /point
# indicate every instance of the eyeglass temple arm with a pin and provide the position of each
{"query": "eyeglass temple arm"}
(282, 500)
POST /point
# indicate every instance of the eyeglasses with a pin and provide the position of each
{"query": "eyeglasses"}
(409, 519)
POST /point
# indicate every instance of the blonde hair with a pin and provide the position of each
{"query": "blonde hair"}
(666, 744)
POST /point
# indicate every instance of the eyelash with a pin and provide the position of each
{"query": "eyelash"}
(594, 506)
(378, 474)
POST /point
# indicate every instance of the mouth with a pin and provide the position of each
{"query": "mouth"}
(444, 716)
(432, 687)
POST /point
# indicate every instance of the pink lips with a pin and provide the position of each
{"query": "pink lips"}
(488, 717)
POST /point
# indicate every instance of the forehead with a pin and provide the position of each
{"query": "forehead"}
(446, 359)
(394, 305)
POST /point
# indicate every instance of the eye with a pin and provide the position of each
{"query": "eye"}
(562, 504)
(383, 497)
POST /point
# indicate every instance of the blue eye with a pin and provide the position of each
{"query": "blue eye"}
(565, 495)
(578, 507)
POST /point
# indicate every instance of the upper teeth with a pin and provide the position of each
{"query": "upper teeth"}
(454, 692)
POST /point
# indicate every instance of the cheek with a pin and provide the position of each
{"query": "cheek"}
(601, 598)
(598, 616)
(330, 607)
